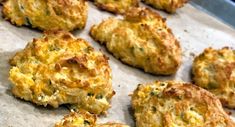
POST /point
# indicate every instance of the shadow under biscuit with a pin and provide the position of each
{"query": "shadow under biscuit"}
(131, 115)
(5, 67)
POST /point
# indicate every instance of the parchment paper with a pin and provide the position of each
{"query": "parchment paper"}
(194, 29)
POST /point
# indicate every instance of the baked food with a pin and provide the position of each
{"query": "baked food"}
(142, 40)
(214, 70)
(169, 6)
(47, 14)
(74, 119)
(177, 104)
(61, 69)
(84, 119)
(116, 6)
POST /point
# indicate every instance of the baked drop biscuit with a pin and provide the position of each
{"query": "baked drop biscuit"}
(60, 69)
(75, 119)
(47, 14)
(142, 40)
(84, 119)
(169, 6)
(214, 70)
(177, 104)
(116, 6)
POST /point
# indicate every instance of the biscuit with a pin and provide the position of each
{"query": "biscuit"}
(142, 40)
(84, 119)
(214, 70)
(177, 104)
(169, 6)
(47, 14)
(116, 6)
(61, 69)
(74, 119)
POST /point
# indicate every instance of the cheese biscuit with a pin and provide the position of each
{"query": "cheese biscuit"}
(47, 14)
(60, 69)
(214, 70)
(177, 104)
(142, 40)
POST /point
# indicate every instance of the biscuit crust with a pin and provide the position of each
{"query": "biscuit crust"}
(112, 125)
(169, 6)
(47, 14)
(61, 69)
(84, 119)
(116, 6)
(174, 104)
(142, 40)
(214, 70)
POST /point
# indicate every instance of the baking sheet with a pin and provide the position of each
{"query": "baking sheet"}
(194, 29)
(225, 12)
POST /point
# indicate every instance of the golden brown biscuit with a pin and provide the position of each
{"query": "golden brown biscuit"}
(169, 6)
(177, 104)
(214, 70)
(142, 40)
(84, 119)
(74, 119)
(47, 14)
(61, 69)
(116, 6)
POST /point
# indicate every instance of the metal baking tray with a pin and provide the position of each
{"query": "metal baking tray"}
(224, 10)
